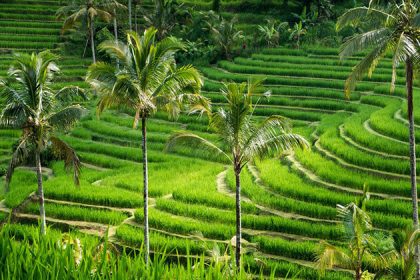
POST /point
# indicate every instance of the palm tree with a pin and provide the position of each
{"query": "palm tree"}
(364, 244)
(33, 106)
(225, 35)
(112, 6)
(148, 80)
(85, 11)
(243, 138)
(167, 15)
(395, 29)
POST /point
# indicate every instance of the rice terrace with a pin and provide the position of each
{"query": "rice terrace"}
(209, 139)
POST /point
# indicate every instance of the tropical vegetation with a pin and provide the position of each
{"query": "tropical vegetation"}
(193, 70)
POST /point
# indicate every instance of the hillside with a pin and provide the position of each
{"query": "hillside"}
(289, 201)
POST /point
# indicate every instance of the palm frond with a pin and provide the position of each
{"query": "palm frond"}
(366, 65)
(404, 49)
(71, 20)
(271, 136)
(116, 50)
(13, 116)
(71, 93)
(192, 140)
(364, 41)
(358, 15)
(330, 256)
(66, 117)
(18, 156)
(103, 15)
(64, 152)
(101, 75)
(356, 221)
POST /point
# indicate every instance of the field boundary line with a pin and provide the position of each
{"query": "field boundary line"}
(351, 142)
(309, 175)
(367, 126)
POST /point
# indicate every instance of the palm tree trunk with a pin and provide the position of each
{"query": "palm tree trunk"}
(145, 191)
(238, 218)
(40, 192)
(92, 40)
(409, 83)
(358, 275)
(135, 18)
(129, 15)
(115, 25)
(116, 32)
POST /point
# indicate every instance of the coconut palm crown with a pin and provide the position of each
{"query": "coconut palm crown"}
(33, 106)
(242, 138)
(86, 12)
(394, 29)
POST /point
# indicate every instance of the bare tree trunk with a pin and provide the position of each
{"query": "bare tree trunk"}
(40, 192)
(358, 275)
(92, 40)
(135, 18)
(238, 219)
(130, 26)
(116, 33)
(87, 42)
(115, 25)
(145, 191)
(413, 176)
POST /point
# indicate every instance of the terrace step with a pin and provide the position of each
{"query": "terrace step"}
(111, 208)
(342, 162)
(4, 208)
(366, 125)
(399, 117)
(222, 188)
(353, 143)
(101, 229)
(296, 165)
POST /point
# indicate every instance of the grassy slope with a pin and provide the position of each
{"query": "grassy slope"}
(185, 195)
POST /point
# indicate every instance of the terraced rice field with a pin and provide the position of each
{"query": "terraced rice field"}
(289, 202)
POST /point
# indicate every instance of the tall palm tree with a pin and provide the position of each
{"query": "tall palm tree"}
(84, 11)
(33, 106)
(112, 6)
(395, 29)
(243, 138)
(148, 80)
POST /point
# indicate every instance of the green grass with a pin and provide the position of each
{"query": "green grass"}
(79, 213)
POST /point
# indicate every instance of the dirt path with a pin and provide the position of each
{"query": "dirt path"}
(133, 223)
(306, 263)
(340, 161)
(45, 170)
(222, 188)
(313, 177)
(82, 225)
(111, 208)
(94, 167)
(366, 126)
(353, 143)
(398, 116)
(255, 174)
(4, 208)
